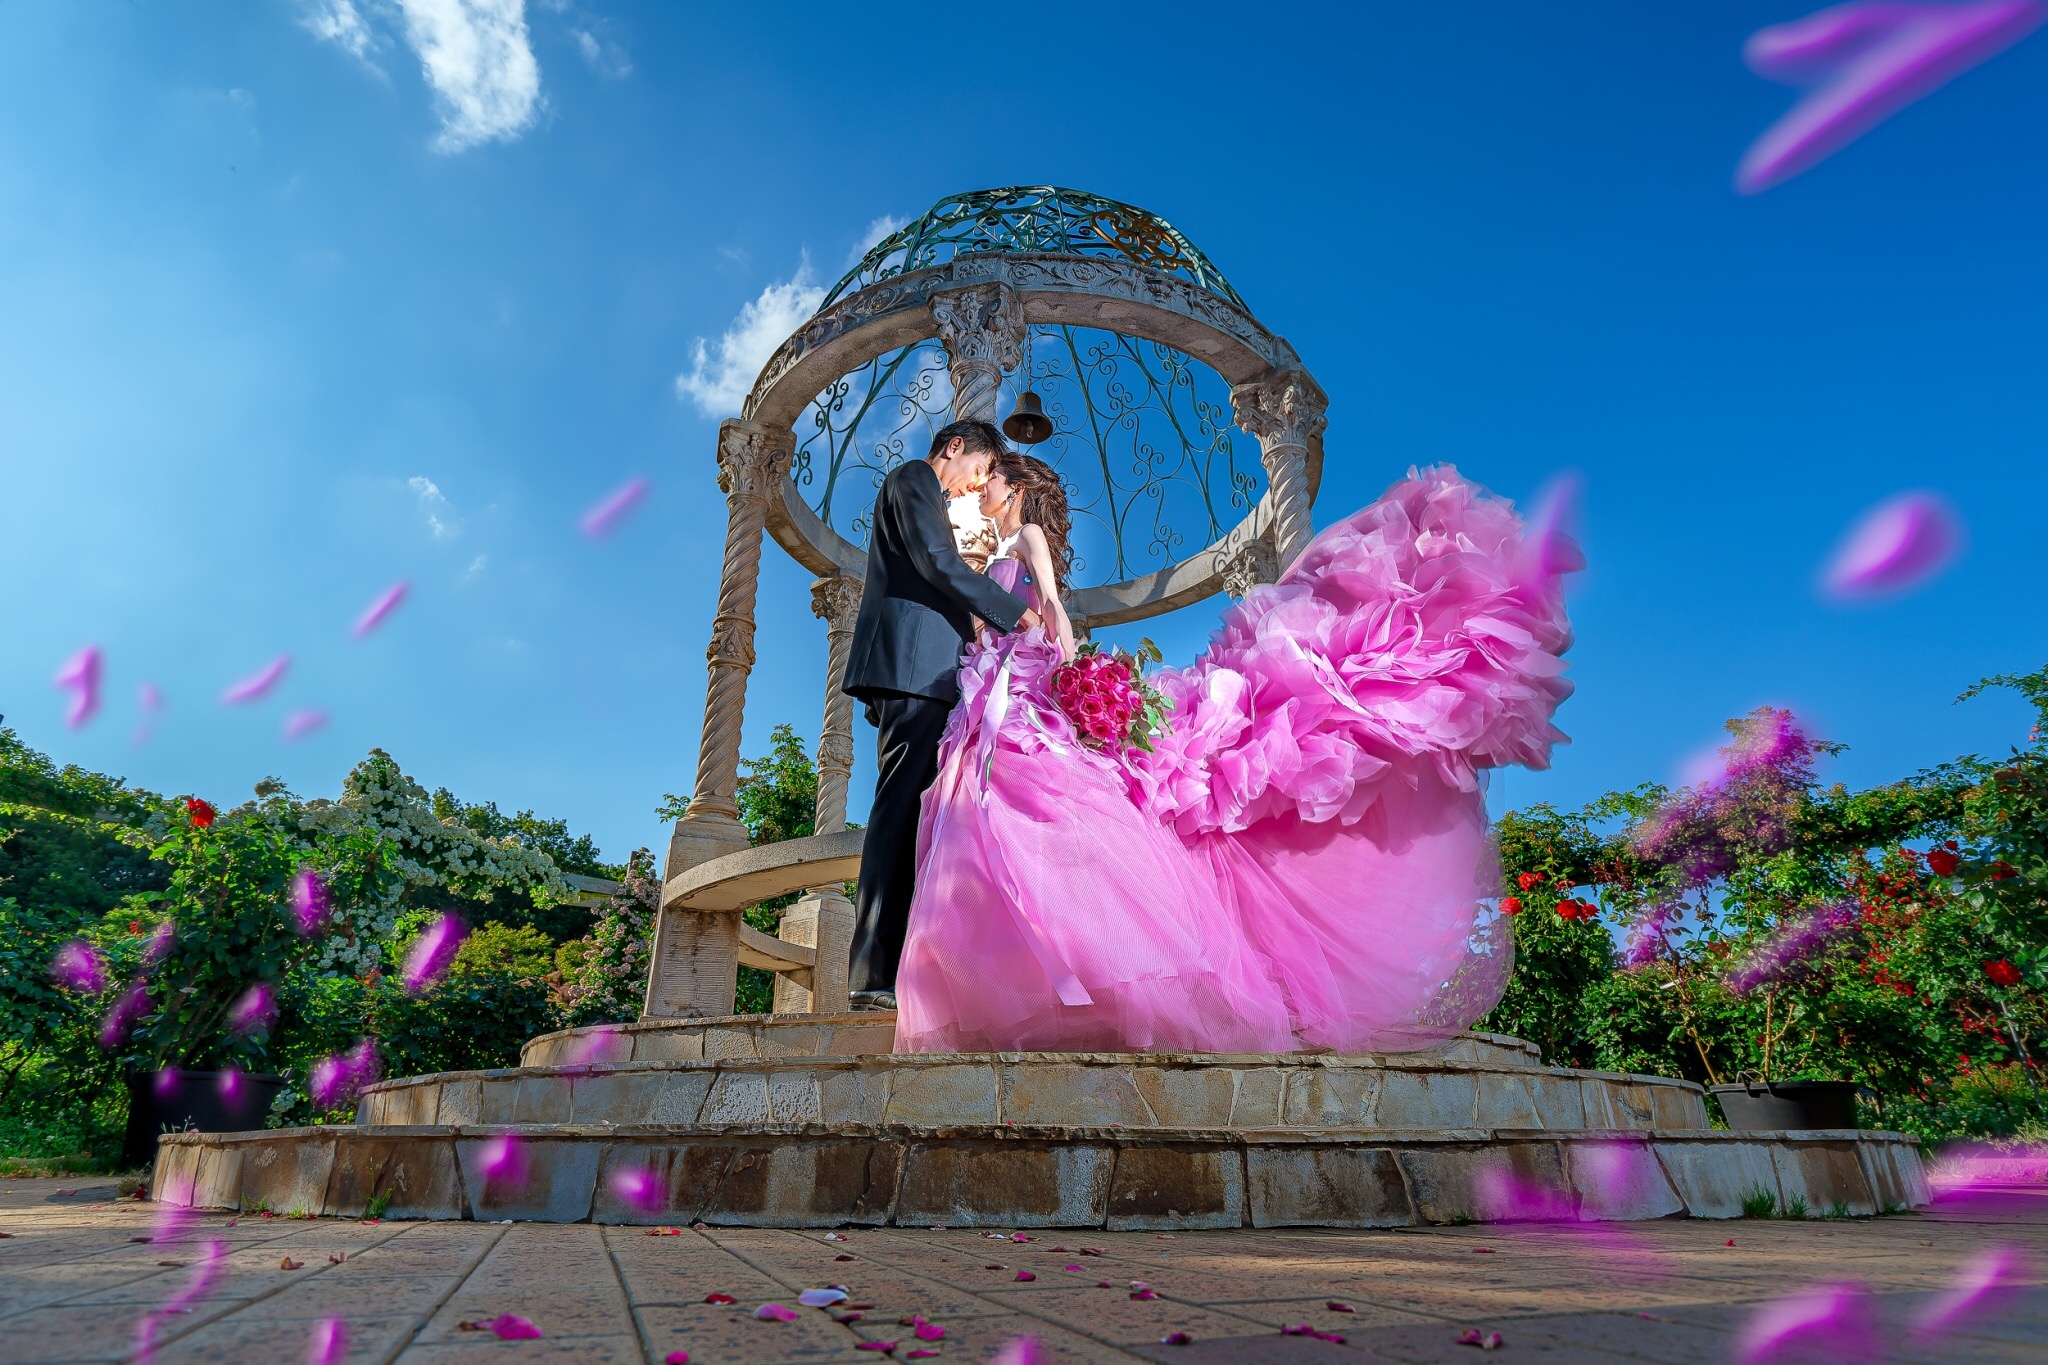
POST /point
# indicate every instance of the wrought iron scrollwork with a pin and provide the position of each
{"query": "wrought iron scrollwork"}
(1144, 438)
(1034, 218)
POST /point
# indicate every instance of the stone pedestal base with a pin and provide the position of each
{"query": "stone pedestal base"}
(822, 921)
(696, 957)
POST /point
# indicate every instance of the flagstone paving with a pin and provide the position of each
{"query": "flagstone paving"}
(77, 1279)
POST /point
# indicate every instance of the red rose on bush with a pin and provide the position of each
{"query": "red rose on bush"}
(201, 813)
(2002, 973)
(1511, 905)
(2002, 869)
(1942, 863)
(1529, 879)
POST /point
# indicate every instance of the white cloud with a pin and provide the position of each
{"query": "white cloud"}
(476, 566)
(434, 504)
(872, 233)
(341, 23)
(721, 374)
(477, 58)
(602, 55)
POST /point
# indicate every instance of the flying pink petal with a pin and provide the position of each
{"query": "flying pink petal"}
(503, 1159)
(204, 1276)
(775, 1312)
(374, 614)
(1865, 62)
(1022, 1351)
(1552, 526)
(256, 1009)
(333, 1081)
(329, 1345)
(311, 905)
(78, 966)
(160, 940)
(602, 519)
(432, 953)
(127, 1011)
(230, 1085)
(258, 684)
(1831, 1320)
(1988, 1278)
(80, 675)
(637, 1188)
(150, 701)
(301, 723)
(1897, 545)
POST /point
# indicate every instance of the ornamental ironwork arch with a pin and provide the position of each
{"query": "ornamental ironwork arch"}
(1138, 326)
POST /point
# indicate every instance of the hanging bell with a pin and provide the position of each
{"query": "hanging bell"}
(1028, 425)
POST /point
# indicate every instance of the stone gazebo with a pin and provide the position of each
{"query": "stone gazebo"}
(806, 1117)
(972, 274)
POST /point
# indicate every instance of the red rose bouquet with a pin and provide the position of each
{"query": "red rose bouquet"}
(1107, 698)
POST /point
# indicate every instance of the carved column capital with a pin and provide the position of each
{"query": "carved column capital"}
(835, 600)
(752, 459)
(1284, 408)
(982, 328)
(1256, 563)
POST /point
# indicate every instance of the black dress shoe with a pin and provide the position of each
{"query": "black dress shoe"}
(873, 1000)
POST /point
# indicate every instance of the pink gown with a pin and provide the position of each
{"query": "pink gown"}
(1303, 861)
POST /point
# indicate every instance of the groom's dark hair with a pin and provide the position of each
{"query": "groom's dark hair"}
(976, 438)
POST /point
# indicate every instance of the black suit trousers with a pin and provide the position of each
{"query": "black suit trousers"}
(907, 747)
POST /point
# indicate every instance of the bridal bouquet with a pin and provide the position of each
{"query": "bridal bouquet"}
(1107, 698)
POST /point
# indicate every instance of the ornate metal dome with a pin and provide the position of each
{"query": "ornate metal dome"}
(1035, 218)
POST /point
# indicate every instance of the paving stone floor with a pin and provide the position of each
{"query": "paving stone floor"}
(76, 1279)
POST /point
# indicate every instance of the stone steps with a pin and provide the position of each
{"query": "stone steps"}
(982, 1175)
(839, 1035)
(1382, 1092)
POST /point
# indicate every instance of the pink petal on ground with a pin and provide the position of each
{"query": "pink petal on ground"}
(601, 520)
(775, 1312)
(432, 952)
(1026, 1275)
(374, 614)
(929, 1331)
(1894, 547)
(512, 1327)
(883, 1346)
(258, 684)
(1865, 62)
(821, 1298)
(1022, 1351)
(1830, 1318)
(80, 675)
(329, 1345)
(719, 1298)
(676, 1358)
(78, 966)
(304, 722)
(1985, 1280)
(1176, 1339)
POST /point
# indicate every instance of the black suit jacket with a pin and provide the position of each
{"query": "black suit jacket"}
(915, 608)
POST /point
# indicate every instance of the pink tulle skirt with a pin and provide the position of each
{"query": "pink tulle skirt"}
(1302, 863)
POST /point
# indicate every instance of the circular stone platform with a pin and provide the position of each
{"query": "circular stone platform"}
(806, 1121)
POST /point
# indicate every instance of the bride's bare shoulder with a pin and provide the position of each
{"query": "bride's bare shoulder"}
(1032, 534)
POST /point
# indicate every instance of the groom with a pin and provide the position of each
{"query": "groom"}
(916, 614)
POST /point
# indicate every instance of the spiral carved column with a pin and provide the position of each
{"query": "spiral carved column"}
(822, 918)
(1285, 410)
(696, 956)
(982, 328)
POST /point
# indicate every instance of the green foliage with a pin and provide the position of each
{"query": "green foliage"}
(1556, 960)
(1760, 1203)
(778, 799)
(602, 979)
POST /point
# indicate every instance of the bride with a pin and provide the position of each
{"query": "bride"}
(1302, 861)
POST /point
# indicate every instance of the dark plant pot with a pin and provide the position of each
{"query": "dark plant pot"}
(201, 1101)
(1779, 1105)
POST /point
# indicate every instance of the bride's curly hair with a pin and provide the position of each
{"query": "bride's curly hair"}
(1044, 505)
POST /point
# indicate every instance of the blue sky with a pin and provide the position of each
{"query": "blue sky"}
(297, 300)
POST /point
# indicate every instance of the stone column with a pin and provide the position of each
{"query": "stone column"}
(823, 918)
(1285, 410)
(1256, 563)
(696, 957)
(982, 328)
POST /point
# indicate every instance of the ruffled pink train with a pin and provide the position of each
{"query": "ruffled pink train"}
(1304, 860)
